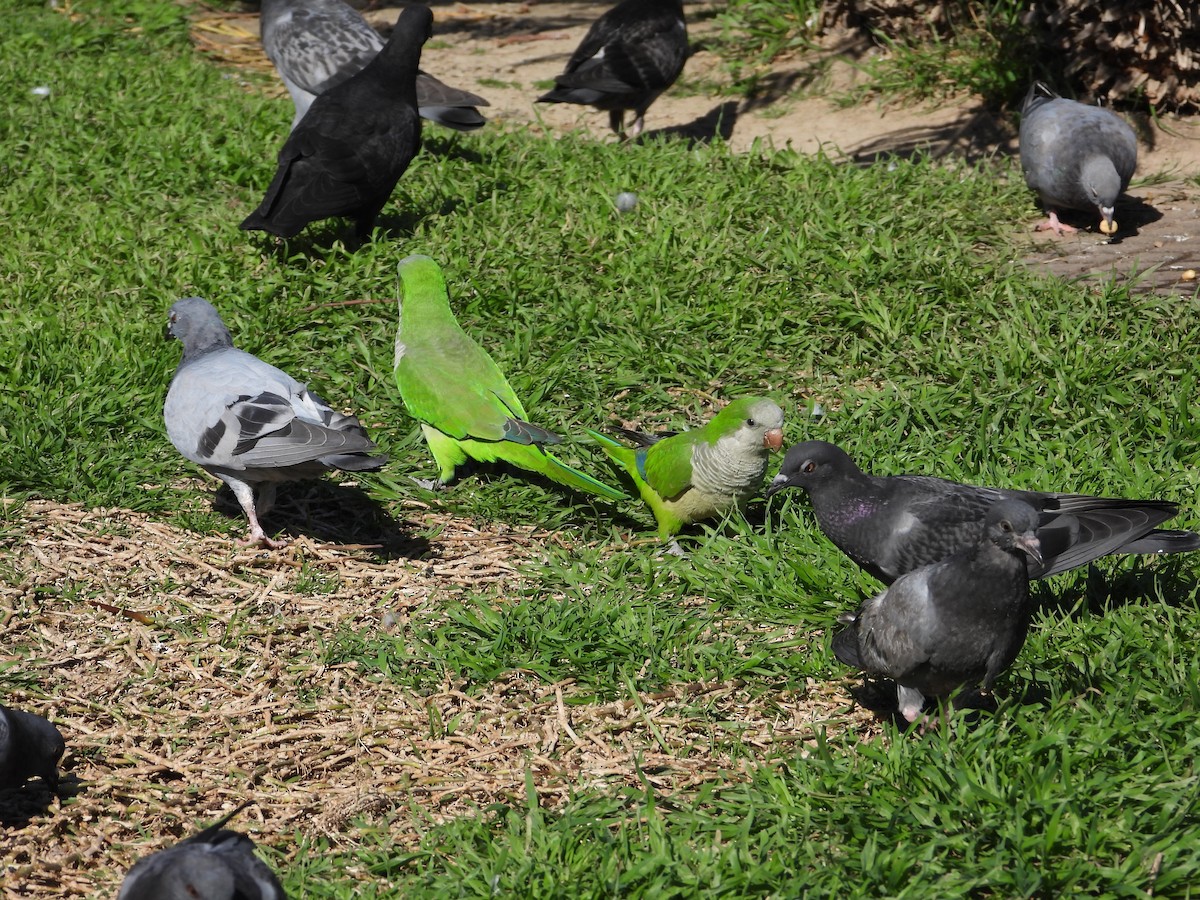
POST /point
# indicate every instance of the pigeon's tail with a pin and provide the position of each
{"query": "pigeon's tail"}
(845, 647)
(582, 95)
(460, 118)
(355, 462)
(1163, 541)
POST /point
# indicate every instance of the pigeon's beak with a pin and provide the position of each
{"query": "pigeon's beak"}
(778, 483)
(1030, 544)
(773, 439)
(1107, 225)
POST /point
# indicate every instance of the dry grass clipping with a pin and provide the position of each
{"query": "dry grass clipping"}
(186, 676)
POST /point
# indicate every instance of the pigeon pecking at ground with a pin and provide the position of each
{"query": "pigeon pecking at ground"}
(1075, 156)
(891, 525)
(215, 864)
(629, 56)
(702, 473)
(955, 623)
(346, 154)
(318, 44)
(29, 746)
(249, 423)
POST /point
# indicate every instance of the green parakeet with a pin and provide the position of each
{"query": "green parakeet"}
(458, 393)
(706, 472)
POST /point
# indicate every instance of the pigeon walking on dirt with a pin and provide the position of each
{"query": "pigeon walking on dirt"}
(955, 623)
(249, 423)
(317, 44)
(346, 154)
(216, 864)
(894, 524)
(702, 473)
(29, 746)
(1075, 156)
(629, 56)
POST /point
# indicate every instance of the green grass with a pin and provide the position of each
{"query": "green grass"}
(886, 293)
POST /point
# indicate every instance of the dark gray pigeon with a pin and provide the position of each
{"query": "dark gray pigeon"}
(347, 153)
(958, 622)
(29, 746)
(1075, 156)
(317, 44)
(894, 524)
(215, 864)
(629, 56)
(247, 422)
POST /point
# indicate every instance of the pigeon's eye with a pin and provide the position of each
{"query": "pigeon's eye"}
(1005, 525)
(809, 467)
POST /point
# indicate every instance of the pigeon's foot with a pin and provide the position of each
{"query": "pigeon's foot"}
(1052, 224)
(259, 537)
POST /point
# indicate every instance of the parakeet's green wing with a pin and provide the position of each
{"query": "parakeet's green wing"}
(667, 464)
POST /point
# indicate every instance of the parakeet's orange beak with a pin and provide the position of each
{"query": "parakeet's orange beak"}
(773, 439)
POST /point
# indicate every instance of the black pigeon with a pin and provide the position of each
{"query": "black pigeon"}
(318, 44)
(1075, 156)
(893, 524)
(215, 864)
(629, 56)
(958, 622)
(29, 746)
(347, 153)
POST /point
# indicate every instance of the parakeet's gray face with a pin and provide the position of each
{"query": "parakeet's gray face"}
(762, 429)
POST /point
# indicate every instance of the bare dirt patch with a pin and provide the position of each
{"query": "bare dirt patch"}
(189, 675)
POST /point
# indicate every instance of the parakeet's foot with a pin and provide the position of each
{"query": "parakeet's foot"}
(431, 484)
(1052, 224)
(674, 549)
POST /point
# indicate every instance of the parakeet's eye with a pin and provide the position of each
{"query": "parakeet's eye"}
(750, 421)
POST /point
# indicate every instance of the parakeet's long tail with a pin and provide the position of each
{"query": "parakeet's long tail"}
(556, 470)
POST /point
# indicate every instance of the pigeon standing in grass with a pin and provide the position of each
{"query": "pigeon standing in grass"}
(629, 56)
(1075, 156)
(706, 472)
(247, 422)
(215, 864)
(894, 524)
(465, 405)
(29, 746)
(318, 44)
(347, 153)
(958, 622)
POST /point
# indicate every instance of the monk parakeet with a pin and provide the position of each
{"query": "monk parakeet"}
(706, 472)
(459, 395)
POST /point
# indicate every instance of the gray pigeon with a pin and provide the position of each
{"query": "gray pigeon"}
(346, 154)
(213, 865)
(958, 622)
(629, 56)
(894, 524)
(1075, 156)
(317, 44)
(29, 746)
(247, 422)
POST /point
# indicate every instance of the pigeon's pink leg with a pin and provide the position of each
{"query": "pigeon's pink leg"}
(1052, 224)
(245, 498)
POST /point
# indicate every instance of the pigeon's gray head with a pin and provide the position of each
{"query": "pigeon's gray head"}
(812, 464)
(1012, 526)
(197, 325)
(1102, 185)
